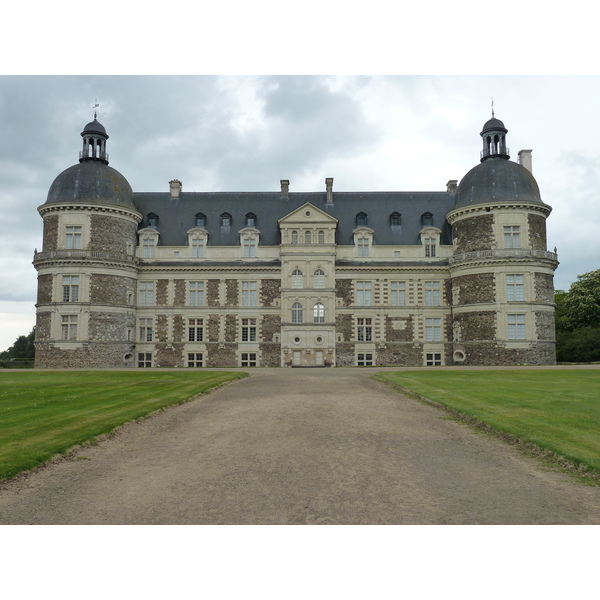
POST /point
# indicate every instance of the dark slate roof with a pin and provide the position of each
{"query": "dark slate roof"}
(94, 127)
(492, 125)
(497, 180)
(91, 181)
(176, 216)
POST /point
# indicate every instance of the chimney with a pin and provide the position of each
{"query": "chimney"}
(451, 186)
(329, 189)
(175, 188)
(285, 187)
(525, 159)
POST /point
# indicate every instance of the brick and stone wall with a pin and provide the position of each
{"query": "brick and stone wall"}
(221, 355)
(399, 329)
(179, 332)
(490, 353)
(343, 326)
(474, 289)
(544, 325)
(544, 287)
(231, 328)
(270, 290)
(179, 292)
(270, 355)
(270, 325)
(212, 329)
(343, 290)
(106, 326)
(162, 292)
(110, 289)
(344, 354)
(169, 355)
(475, 326)
(212, 292)
(537, 231)
(96, 355)
(44, 292)
(473, 233)
(112, 234)
(43, 325)
(161, 325)
(408, 354)
(50, 243)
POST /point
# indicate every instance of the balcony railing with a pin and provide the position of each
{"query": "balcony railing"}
(85, 255)
(504, 253)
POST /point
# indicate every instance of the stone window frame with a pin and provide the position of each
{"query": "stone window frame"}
(364, 359)
(363, 293)
(145, 330)
(197, 241)
(363, 240)
(69, 327)
(319, 312)
(320, 237)
(249, 293)
(148, 241)
(195, 329)
(430, 240)
(248, 329)
(71, 289)
(73, 236)
(196, 293)
(432, 293)
(295, 237)
(434, 359)
(319, 279)
(248, 359)
(249, 242)
(144, 360)
(146, 293)
(297, 313)
(515, 287)
(297, 282)
(195, 360)
(398, 289)
(516, 327)
(511, 236)
(364, 329)
(433, 329)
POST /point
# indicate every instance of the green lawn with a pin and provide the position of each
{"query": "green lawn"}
(557, 410)
(44, 413)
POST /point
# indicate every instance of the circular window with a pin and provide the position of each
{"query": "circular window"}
(307, 213)
(296, 340)
(319, 340)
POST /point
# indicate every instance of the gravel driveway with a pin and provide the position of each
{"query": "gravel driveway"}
(299, 446)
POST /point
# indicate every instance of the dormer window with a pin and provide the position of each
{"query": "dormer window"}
(200, 220)
(250, 220)
(225, 220)
(427, 219)
(152, 220)
(249, 247)
(395, 219)
(361, 219)
(430, 239)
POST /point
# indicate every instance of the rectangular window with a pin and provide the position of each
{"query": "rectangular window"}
(196, 293)
(433, 359)
(516, 327)
(512, 236)
(146, 294)
(148, 248)
(248, 330)
(249, 248)
(195, 359)
(69, 327)
(319, 279)
(249, 293)
(515, 288)
(197, 248)
(364, 359)
(364, 330)
(363, 293)
(74, 236)
(248, 359)
(432, 293)
(430, 246)
(195, 330)
(70, 288)
(363, 247)
(144, 360)
(146, 330)
(398, 293)
(433, 330)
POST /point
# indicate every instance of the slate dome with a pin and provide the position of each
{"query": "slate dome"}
(94, 127)
(497, 180)
(493, 124)
(91, 181)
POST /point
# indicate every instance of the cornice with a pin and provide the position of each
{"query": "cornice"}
(45, 209)
(456, 213)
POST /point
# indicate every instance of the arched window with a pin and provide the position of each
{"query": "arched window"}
(319, 313)
(395, 219)
(319, 279)
(307, 237)
(152, 220)
(250, 220)
(361, 219)
(427, 219)
(321, 237)
(296, 312)
(200, 220)
(294, 237)
(297, 279)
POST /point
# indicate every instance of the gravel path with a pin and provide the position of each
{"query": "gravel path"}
(299, 446)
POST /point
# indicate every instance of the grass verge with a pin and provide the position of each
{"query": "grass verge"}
(554, 415)
(45, 413)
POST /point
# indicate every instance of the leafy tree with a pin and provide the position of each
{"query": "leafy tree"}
(582, 303)
(22, 348)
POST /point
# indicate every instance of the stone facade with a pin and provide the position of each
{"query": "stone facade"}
(473, 234)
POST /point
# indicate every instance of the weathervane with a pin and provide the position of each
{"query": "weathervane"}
(96, 105)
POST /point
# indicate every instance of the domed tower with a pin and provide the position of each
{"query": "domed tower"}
(87, 268)
(502, 274)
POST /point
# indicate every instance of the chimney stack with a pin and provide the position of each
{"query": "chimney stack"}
(525, 160)
(329, 189)
(175, 188)
(285, 187)
(451, 186)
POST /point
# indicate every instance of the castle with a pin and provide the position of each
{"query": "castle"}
(284, 278)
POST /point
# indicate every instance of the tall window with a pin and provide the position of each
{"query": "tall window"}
(148, 248)
(432, 293)
(319, 313)
(430, 246)
(249, 293)
(297, 316)
(362, 245)
(70, 288)
(146, 330)
(74, 235)
(364, 330)
(433, 330)
(515, 288)
(319, 279)
(195, 330)
(69, 327)
(512, 236)
(398, 293)
(363, 293)
(308, 237)
(248, 330)
(197, 248)
(297, 279)
(321, 237)
(146, 295)
(196, 293)
(249, 248)
(516, 327)
(294, 237)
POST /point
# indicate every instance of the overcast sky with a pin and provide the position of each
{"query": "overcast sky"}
(234, 133)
